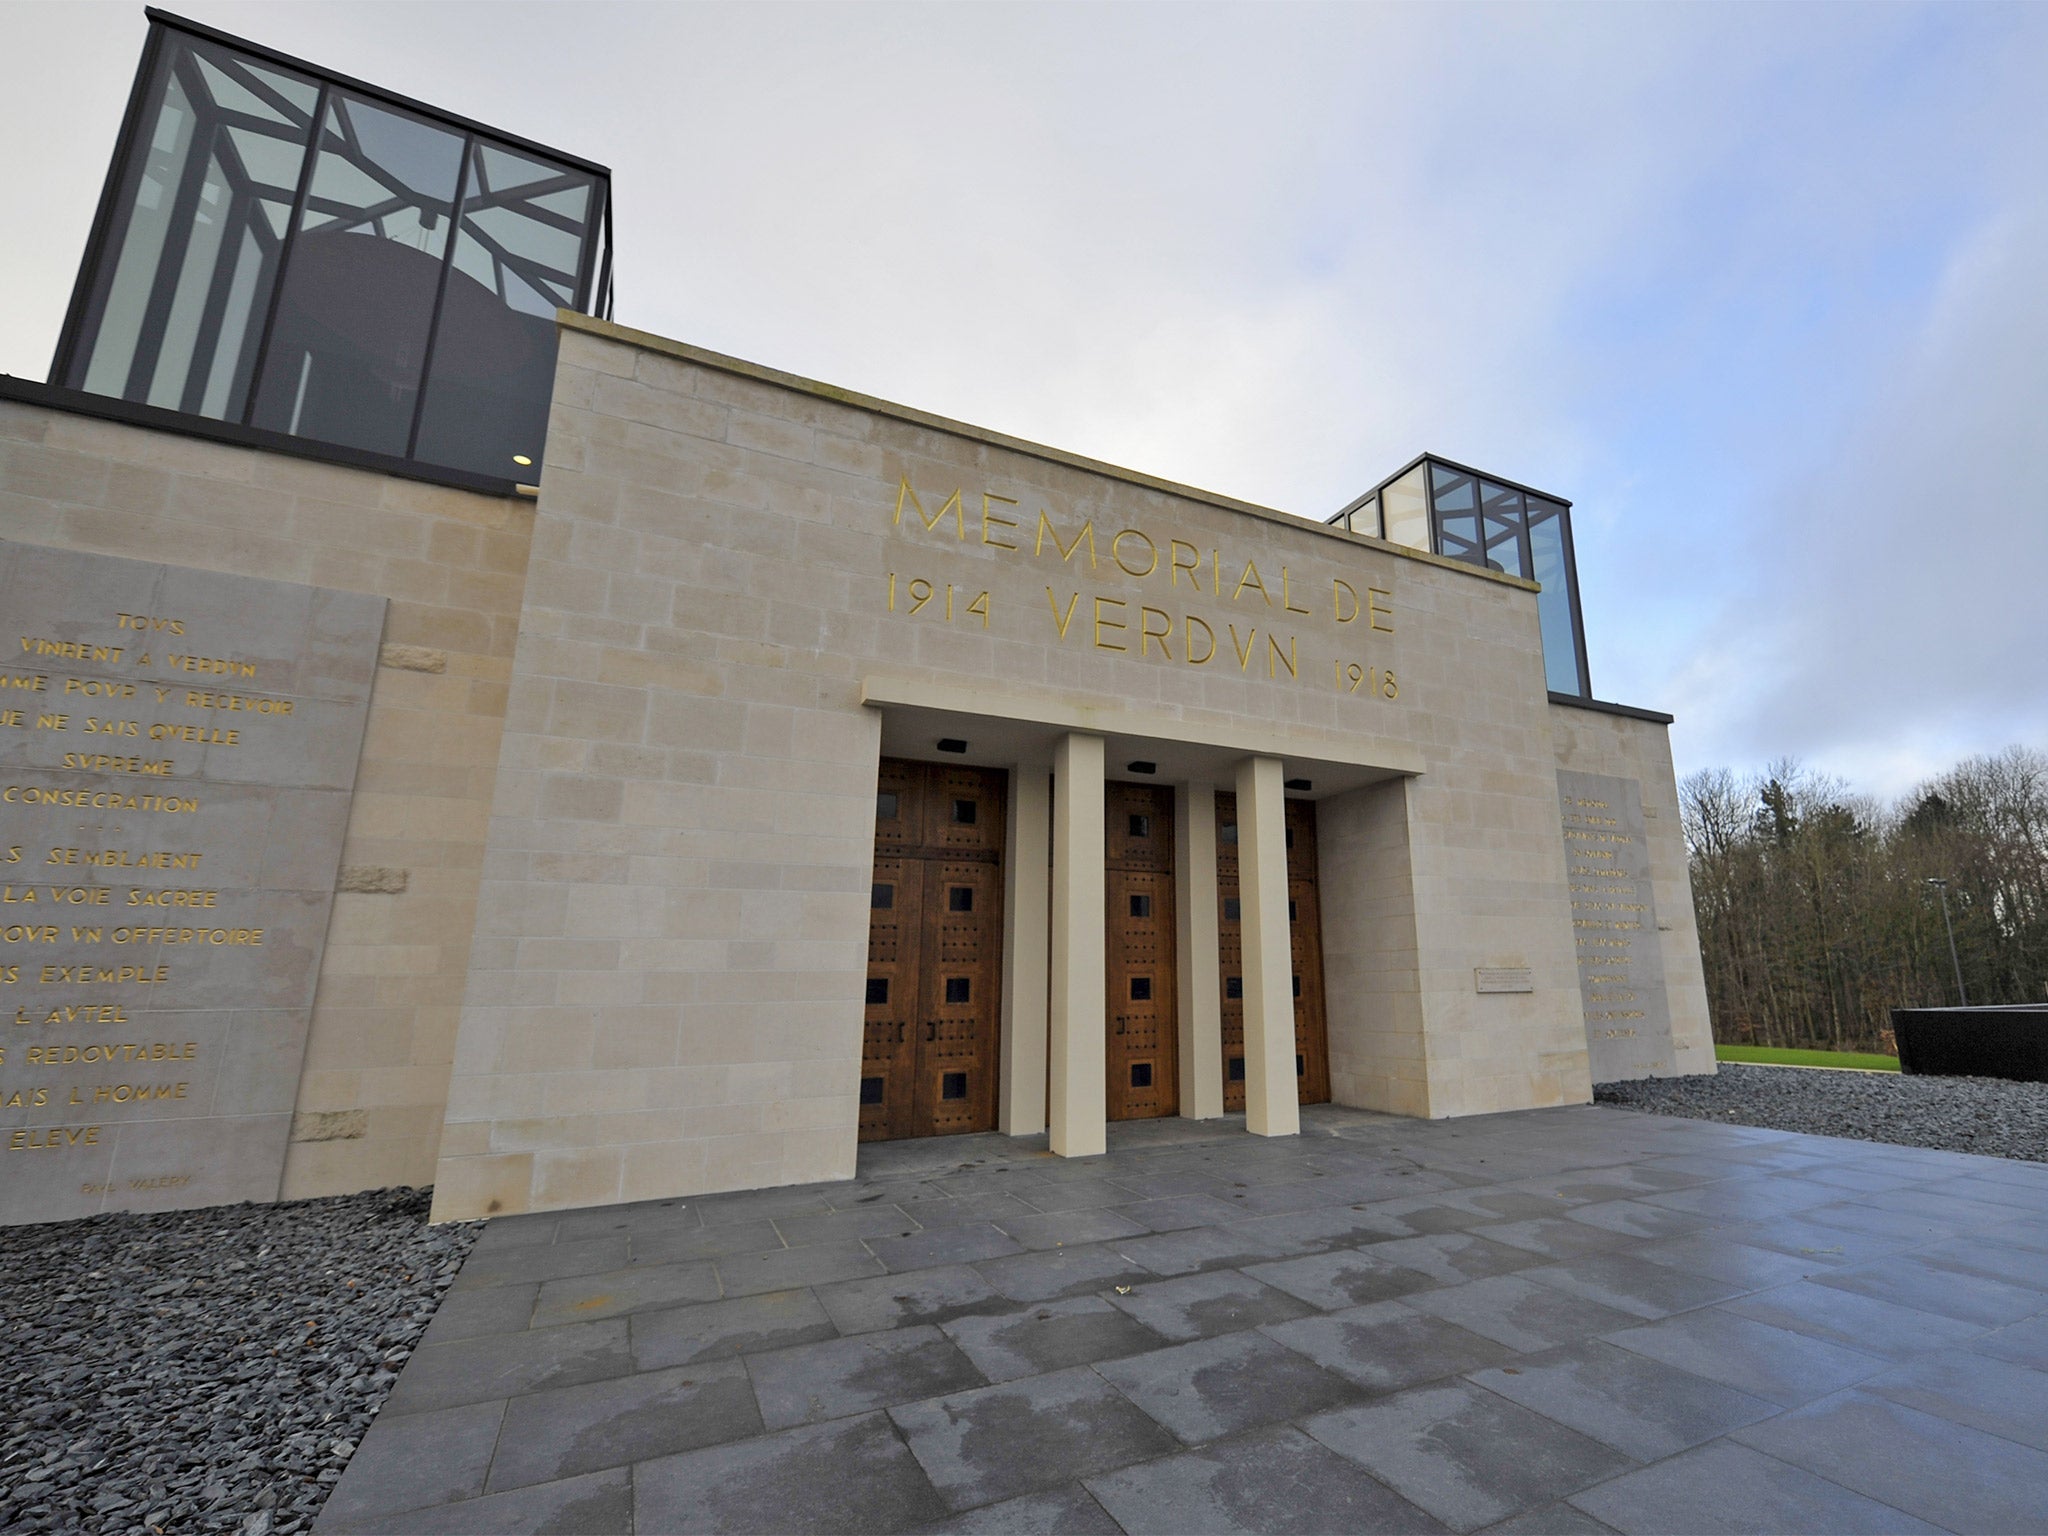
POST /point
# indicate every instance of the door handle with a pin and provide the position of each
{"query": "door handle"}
(931, 1029)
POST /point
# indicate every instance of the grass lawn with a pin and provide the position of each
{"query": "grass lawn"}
(1770, 1056)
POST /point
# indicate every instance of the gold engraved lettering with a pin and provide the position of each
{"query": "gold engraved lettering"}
(53, 1138)
(1208, 635)
(1066, 550)
(1339, 591)
(204, 698)
(1286, 598)
(1250, 578)
(71, 650)
(1193, 564)
(1375, 610)
(34, 682)
(1063, 620)
(1101, 623)
(1147, 634)
(1151, 551)
(101, 762)
(989, 518)
(1244, 650)
(905, 493)
(144, 621)
(1286, 658)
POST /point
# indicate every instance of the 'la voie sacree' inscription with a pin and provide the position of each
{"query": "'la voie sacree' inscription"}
(177, 753)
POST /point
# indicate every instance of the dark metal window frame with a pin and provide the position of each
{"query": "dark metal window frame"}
(1425, 461)
(90, 292)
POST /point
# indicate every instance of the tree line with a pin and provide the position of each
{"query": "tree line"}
(1817, 908)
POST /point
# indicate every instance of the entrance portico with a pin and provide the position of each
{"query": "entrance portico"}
(1056, 1010)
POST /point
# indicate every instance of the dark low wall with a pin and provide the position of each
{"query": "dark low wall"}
(2010, 1042)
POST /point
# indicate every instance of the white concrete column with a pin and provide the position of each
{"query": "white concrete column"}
(1078, 1107)
(1027, 913)
(1199, 979)
(1272, 1100)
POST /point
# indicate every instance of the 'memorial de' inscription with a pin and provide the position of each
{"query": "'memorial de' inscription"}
(1621, 964)
(177, 753)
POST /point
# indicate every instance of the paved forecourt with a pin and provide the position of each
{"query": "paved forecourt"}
(1578, 1319)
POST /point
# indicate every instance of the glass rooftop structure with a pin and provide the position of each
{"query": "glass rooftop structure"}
(285, 250)
(1464, 514)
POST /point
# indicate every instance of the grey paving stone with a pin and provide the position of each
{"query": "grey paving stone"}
(1065, 1271)
(1519, 1313)
(1640, 1219)
(1030, 1338)
(1861, 1322)
(1070, 1511)
(614, 1293)
(1386, 1346)
(1468, 1457)
(474, 1314)
(837, 1377)
(774, 1320)
(941, 1210)
(541, 1261)
(1885, 1220)
(1637, 1405)
(569, 1430)
(2022, 1343)
(1630, 1285)
(1992, 1258)
(648, 1216)
(1027, 1436)
(1172, 1183)
(1957, 1212)
(1751, 1198)
(1225, 1385)
(845, 1226)
(1056, 1229)
(1347, 1277)
(1198, 1248)
(748, 1274)
(761, 1205)
(1201, 1306)
(1492, 1205)
(1452, 1258)
(1946, 1473)
(415, 1461)
(918, 1296)
(1273, 1482)
(1331, 1226)
(1551, 1520)
(1951, 1293)
(1078, 1195)
(663, 1246)
(1997, 1396)
(1785, 1367)
(521, 1231)
(1719, 1257)
(851, 1475)
(596, 1504)
(1172, 1213)
(964, 1244)
(1729, 1488)
(478, 1370)
(1557, 1237)
(1804, 1238)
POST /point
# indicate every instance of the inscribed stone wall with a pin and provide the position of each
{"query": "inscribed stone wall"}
(1638, 752)
(177, 753)
(670, 961)
(452, 564)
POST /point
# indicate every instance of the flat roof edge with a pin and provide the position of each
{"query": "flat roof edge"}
(610, 330)
(1603, 707)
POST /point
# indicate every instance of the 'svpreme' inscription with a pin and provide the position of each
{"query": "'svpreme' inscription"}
(177, 753)
(1621, 965)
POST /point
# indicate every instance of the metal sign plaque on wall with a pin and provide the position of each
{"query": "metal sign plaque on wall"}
(177, 754)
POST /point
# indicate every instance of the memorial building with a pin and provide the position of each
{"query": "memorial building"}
(450, 737)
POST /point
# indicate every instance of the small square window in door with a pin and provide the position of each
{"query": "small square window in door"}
(878, 989)
(1141, 989)
(1141, 826)
(1141, 1074)
(959, 898)
(871, 1090)
(953, 1085)
(1141, 904)
(959, 989)
(965, 812)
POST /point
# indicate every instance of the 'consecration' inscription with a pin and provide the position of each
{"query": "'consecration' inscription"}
(177, 752)
(1614, 917)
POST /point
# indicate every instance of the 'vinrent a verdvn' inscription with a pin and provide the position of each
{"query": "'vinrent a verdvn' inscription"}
(1614, 918)
(177, 753)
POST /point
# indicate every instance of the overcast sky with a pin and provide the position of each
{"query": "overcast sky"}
(1760, 289)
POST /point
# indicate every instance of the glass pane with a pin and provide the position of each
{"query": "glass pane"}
(352, 324)
(1456, 496)
(198, 252)
(1554, 602)
(518, 257)
(1405, 512)
(1502, 510)
(1365, 517)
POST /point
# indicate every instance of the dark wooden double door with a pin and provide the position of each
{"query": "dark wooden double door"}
(1305, 938)
(1142, 1025)
(935, 940)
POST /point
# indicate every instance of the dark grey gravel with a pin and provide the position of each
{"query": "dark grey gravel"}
(1953, 1114)
(207, 1370)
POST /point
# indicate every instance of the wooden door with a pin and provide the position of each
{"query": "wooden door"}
(1142, 1036)
(928, 1056)
(1305, 936)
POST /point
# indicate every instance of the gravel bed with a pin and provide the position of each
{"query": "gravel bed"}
(1953, 1114)
(207, 1370)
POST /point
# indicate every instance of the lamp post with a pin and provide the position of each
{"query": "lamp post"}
(1941, 890)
